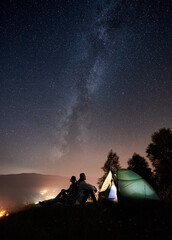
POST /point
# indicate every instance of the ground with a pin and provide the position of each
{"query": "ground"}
(105, 221)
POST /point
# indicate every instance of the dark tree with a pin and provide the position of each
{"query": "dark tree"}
(139, 165)
(159, 151)
(112, 163)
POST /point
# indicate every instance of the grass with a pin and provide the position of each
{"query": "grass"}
(105, 221)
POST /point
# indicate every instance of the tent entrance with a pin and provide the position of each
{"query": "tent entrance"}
(108, 189)
(113, 193)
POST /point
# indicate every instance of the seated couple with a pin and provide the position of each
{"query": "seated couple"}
(78, 193)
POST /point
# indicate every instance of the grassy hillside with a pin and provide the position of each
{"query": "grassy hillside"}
(105, 221)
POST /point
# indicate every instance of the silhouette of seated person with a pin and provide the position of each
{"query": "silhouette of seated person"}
(66, 196)
(85, 190)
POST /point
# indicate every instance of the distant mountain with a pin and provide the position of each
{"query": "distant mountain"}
(32, 180)
(20, 189)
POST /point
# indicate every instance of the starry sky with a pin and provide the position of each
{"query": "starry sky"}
(81, 77)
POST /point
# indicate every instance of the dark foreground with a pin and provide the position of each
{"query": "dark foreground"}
(105, 221)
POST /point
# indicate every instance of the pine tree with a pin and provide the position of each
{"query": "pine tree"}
(112, 163)
(159, 151)
(139, 165)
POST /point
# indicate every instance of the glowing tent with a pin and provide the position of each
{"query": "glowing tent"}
(126, 184)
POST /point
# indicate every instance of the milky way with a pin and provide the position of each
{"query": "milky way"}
(79, 78)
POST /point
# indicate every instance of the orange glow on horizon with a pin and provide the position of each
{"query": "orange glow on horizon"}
(47, 194)
(42, 192)
(4, 213)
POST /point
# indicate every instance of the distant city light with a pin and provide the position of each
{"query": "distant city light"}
(42, 192)
(50, 193)
(4, 213)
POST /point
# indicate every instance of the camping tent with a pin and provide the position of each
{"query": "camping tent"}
(126, 184)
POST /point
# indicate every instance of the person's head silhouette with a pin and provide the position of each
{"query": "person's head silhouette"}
(82, 176)
(73, 179)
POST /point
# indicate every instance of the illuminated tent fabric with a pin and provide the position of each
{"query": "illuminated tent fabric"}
(129, 185)
(109, 187)
(113, 193)
(107, 182)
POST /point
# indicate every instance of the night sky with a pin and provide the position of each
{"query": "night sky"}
(79, 78)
